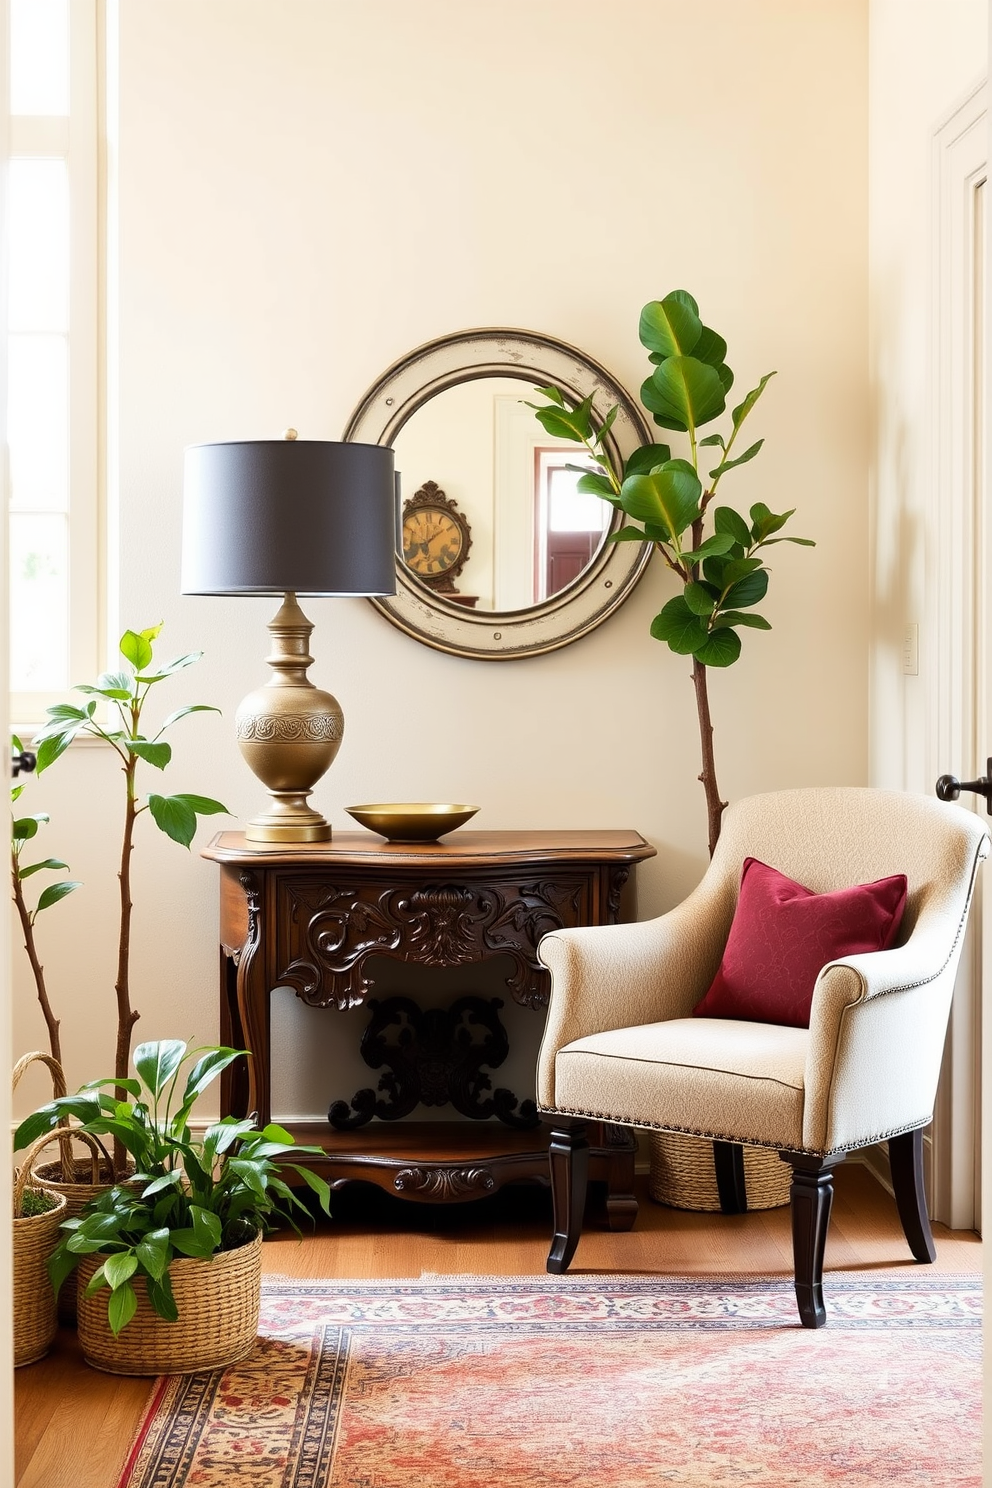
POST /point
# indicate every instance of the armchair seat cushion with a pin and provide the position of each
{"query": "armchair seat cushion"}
(716, 1077)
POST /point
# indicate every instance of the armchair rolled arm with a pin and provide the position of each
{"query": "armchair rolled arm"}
(877, 1027)
(618, 976)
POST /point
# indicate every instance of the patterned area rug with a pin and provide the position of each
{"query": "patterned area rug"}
(591, 1381)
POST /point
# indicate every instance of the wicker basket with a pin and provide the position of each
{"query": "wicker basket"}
(218, 1301)
(682, 1174)
(78, 1178)
(35, 1237)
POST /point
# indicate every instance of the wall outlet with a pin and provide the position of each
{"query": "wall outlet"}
(911, 651)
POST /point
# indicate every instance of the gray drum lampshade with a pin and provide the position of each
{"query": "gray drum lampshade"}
(275, 516)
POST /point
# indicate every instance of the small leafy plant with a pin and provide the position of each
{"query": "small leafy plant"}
(188, 1196)
(721, 574)
(23, 830)
(125, 694)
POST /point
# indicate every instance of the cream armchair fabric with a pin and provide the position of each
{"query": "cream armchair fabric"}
(620, 1043)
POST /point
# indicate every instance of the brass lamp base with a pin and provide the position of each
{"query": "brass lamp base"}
(289, 733)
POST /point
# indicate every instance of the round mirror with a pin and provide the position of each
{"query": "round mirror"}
(498, 553)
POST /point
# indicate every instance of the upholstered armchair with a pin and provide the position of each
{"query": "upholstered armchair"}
(621, 1043)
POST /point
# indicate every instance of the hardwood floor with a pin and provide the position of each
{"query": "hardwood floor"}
(74, 1425)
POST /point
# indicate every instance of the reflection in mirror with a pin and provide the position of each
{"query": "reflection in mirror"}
(499, 555)
(531, 533)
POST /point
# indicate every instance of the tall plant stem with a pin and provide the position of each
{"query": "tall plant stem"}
(27, 929)
(714, 806)
(126, 1017)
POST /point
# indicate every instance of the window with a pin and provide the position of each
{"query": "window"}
(52, 363)
(570, 525)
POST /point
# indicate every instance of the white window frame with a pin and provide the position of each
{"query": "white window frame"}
(75, 139)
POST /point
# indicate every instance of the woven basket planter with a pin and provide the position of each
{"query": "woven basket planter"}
(682, 1174)
(77, 1178)
(35, 1237)
(218, 1301)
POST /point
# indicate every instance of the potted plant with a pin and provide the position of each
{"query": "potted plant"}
(122, 696)
(721, 575)
(188, 1223)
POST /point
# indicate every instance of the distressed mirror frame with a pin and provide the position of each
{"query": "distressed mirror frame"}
(500, 635)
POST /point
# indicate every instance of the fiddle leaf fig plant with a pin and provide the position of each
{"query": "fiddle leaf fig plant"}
(114, 714)
(23, 830)
(713, 550)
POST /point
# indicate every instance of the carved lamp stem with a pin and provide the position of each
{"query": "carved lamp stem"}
(289, 732)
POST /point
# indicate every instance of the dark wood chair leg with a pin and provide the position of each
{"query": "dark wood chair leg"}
(569, 1158)
(811, 1197)
(906, 1164)
(728, 1162)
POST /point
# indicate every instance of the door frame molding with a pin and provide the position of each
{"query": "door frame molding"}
(957, 702)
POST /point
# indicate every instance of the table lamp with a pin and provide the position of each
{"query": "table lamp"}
(289, 516)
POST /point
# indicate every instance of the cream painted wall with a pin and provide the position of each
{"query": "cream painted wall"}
(925, 57)
(308, 190)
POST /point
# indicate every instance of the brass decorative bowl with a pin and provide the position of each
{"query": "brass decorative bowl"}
(411, 821)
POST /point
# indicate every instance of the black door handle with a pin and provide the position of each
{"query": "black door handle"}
(949, 787)
(22, 759)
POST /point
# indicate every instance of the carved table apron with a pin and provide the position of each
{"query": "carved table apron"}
(316, 916)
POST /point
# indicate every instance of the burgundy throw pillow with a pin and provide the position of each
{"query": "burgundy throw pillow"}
(783, 935)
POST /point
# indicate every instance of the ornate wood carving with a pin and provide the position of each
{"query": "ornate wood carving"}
(434, 1056)
(444, 1185)
(337, 928)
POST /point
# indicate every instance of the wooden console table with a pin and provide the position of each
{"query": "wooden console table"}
(316, 916)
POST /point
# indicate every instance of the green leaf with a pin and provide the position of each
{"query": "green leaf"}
(740, 617)
(725, 519)
(53, 863)
(154, 1253)
(120, 1268)
(182, 712)
(157, 1061)
(748, 454)
(742, 410)
(668, 497)
(683, 631)
(206, 1069)
(803, 542)
(683, 393)
(61, 1264)
(750, 590)
(721, 649)
(117, 694)
(26, 827)
(54, 892)
(136, 649)
(319, 1185)
(608, 423)
(628, 534)
(173, 666)
(563, 423)
(710, 348)
(158, 755)
(591, 484)
(552, 393)
(206, 1226)
(735, 569)
(121, 1308)
(765, 521)
(173, 817)
(699, 598)
(61, 713)
(713, 439)
(202, 805)
(647, 458)
(54, 745)
(161, 1297)
(671, 327)
(715, 545)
